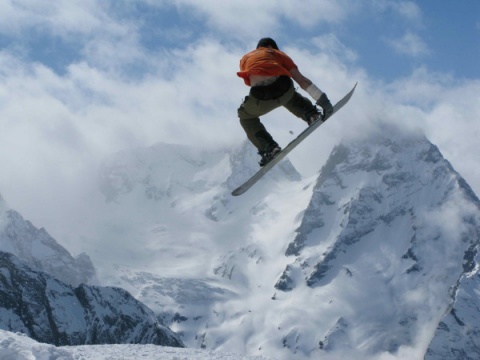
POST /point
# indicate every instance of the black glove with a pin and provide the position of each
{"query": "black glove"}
(326, 105)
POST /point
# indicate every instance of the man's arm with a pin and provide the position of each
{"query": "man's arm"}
(301, 80)
(320, 97)
(306, 84)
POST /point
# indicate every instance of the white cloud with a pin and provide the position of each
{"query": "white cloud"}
(61, 18)
(56, 128)
(330, 44)
(407, 10)
(410, 17)
(249, 18)
(409, 44)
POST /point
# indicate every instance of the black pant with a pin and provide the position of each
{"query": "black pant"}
(255, 106)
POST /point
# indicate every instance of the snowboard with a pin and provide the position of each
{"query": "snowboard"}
(259, 174)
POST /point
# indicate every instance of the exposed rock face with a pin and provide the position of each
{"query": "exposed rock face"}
(51, 311)
(458, 334)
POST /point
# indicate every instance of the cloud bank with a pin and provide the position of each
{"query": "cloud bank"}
(80, 80)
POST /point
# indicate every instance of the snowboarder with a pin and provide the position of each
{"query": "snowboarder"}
(269, 73)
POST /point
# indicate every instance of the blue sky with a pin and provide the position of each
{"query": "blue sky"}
(443, 36)
(388, 38)
(453, 35)
(81, 79)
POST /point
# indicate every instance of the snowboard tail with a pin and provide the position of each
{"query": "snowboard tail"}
(259, 174)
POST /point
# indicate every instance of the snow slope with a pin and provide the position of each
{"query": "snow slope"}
(365, 260)
(360, 261)
(458, 334)
(15, 346)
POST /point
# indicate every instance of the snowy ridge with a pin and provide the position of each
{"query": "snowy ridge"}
(379, 183)
(393, 211)
(38, 249)
(53, 312)
(176, 301)
(458, 334)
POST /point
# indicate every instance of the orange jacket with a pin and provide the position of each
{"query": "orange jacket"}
(265, 62)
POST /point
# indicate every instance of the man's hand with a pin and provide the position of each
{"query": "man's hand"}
(326, 105)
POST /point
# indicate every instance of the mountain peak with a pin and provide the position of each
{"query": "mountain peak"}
(38, 249)
(51, 311)
(388, 216)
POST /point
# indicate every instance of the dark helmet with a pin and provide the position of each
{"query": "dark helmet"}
(267, 42)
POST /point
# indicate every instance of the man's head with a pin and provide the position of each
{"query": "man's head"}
(266, 42)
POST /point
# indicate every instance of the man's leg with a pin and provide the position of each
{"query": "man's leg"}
(249, 114)
(301, 107)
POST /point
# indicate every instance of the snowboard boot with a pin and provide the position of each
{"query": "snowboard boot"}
(312, 116)
(270, 147)
(326, 106)
(267, 155)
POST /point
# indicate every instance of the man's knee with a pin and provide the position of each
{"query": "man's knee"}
(250, 123)
(242, 112)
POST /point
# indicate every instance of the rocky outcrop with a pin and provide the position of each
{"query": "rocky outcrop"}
(51, 311)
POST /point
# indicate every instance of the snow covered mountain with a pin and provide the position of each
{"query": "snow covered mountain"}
(39, 250)
(375, 257)
(53, 312)
(391, 220)
(365, 260)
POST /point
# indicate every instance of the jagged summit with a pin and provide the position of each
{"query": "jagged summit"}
(393, 169)
(38, 249)
(391, 224)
